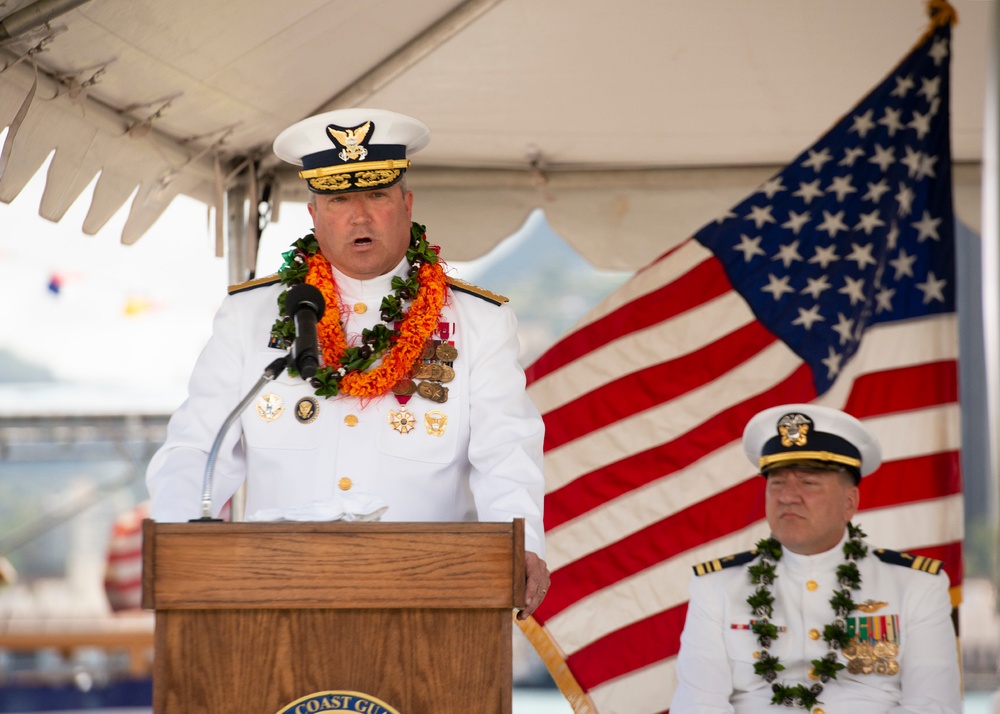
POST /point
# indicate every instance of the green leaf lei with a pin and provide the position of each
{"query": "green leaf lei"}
(375, 342)
(761, 604)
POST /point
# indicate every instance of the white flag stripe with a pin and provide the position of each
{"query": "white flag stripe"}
(912, 526)
(682, 260)
(665, 422)
(901, 435)
(917, 433)
(630, 693)
(647, 593)
(120, 571)
(636, 351)
(635, 510)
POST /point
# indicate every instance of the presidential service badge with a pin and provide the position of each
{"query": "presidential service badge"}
(306, 410)
(337, 701)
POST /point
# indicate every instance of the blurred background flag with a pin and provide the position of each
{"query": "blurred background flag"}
(834, 282)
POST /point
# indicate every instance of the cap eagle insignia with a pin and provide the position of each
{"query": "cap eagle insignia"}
(794, 430)
(352, 140)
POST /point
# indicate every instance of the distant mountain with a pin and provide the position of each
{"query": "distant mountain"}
(550, 285)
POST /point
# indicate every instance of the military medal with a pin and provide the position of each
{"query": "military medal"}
(402, 421)
(433, 391)
(404, 387)
(432, 370)
(446, 352)
(435, 422)
(422, 370)
(270, 407)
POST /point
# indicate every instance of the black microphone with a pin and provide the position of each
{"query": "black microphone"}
(305, 305)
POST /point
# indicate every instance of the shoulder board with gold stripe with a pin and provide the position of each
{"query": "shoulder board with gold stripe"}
(917, 562)
(714, 566)
(471, 289)
(255, 283)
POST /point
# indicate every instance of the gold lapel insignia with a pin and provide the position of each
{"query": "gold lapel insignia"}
(435, 422)
(871, 606)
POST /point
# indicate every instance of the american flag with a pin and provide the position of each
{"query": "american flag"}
(834, 282)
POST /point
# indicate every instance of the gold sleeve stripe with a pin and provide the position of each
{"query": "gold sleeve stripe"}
(710, 566)
(928, 565)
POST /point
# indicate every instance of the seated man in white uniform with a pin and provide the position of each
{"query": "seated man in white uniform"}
(418, 400)
(815, 618)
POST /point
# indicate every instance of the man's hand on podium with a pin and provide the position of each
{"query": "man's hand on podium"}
(538, 583)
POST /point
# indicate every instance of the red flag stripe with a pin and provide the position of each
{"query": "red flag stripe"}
(636, 392)
(873, 393)
(639, 645)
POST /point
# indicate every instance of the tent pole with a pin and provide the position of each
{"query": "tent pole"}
(991, 273)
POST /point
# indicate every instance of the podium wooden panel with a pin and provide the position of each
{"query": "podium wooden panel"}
(253, 616)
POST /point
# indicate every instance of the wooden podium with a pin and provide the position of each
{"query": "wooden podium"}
(251, 617)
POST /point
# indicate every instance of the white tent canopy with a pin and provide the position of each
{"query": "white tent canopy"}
(631, 123)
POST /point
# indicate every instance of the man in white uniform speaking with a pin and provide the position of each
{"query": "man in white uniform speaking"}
(815, 618)
(416, 398)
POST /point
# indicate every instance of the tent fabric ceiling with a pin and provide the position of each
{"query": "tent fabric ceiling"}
(630, 123)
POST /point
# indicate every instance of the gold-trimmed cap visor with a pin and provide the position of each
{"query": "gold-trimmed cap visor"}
(352, 149)
(810, 436)
(806, 459)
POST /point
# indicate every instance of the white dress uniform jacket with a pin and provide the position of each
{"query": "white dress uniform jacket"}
(484, 462)
(716, 659)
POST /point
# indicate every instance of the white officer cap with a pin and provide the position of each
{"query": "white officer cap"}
(810, 435)
(352, 149)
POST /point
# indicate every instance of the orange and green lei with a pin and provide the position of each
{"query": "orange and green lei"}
(348, 370)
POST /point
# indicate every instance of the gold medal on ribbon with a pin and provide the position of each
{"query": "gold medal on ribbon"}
(402, 421)
(404, 387)
(447, 373)
(446, 352)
